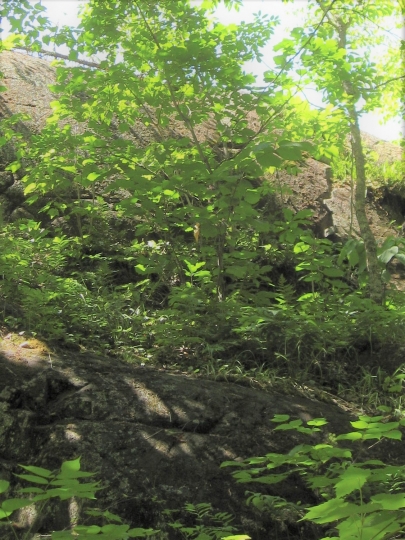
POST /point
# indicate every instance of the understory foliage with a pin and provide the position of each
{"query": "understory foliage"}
(155, 232)
(357, 497)
(69, 484)
(151, 182)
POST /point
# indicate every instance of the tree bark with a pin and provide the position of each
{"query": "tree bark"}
(375, 283)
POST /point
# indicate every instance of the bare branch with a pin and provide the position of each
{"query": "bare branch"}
(61, 56)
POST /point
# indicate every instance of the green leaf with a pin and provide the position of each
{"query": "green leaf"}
(31, 490)
(4, 514)
(192, 268)
(231, 464)
(68, 168)
(37, 470)
(332, 272)
(141, 533)
(360, 424)
(237, 271)
(304, 214)
(87, 529)
(390, 501)
(289, 152)
(352, 436)
(62, 535)
(73, 55)
(388, 254)
(400, 257)
(118, 530)
(30, 188)
(70, 469)
(203, 273)
(301, 247)
(242, 477)
(317, 422)
(4, 485)
(32, 478)
(395, 434)
(106, 514)
(14, 167)
(332, 510)
(14, 504)
(269, 160)
(141, 269)
(270, 479)
(252, 196)
(352, 479)
(294, 424)
(237, 537)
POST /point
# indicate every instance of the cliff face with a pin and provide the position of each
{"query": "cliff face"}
(27, 79)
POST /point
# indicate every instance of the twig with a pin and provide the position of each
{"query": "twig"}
(61, 56)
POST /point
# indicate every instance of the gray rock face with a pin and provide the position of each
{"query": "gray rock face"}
(6, 180)
(149, 434)
(307, 190)
(383, 220)
(27, 79)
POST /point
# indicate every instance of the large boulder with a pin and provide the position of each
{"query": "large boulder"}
(155, 438)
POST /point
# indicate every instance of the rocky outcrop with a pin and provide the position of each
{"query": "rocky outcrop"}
(155, 438)
(383, 220)
(307, 190)
(27, 80)
(385, 207)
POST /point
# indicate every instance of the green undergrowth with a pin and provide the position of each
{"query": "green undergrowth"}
(306, 317)
(358, 496)
(69, 484)
(382, 170)
(157, 233)
(168, 246)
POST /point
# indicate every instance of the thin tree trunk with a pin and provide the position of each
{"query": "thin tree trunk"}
(375, 284)
(376, 287)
